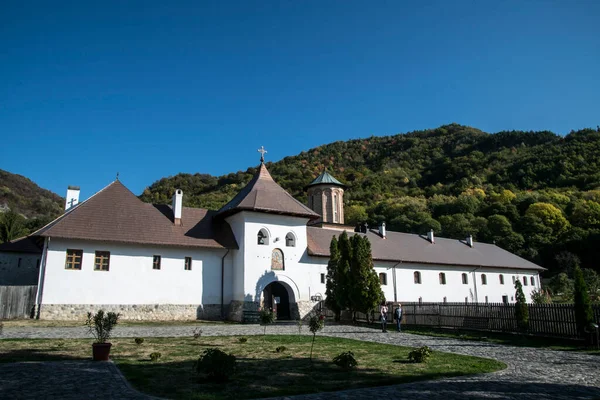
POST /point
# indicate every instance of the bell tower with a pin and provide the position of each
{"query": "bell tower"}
(326, 198)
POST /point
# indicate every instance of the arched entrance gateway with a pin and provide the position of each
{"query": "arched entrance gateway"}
(276, 297)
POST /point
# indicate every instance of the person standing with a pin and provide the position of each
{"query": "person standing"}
(383, 316)
(398, 316)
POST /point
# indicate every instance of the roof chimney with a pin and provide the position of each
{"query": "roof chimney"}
(430, 236)
(470, 240)
(177, 206)
(72, 197)
(382, 230)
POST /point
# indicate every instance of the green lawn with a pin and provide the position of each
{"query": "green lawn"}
(261, 371)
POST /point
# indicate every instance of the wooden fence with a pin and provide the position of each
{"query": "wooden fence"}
(17, 301)
(555, 320)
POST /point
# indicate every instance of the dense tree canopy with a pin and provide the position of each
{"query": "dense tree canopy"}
(533, 193)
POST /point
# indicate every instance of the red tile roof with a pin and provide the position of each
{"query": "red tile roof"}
(116, 214)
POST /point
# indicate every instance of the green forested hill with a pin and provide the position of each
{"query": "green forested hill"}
(533, 193)
(24, 206)
(24, 197)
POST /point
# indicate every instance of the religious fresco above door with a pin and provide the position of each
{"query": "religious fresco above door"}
(277, 260)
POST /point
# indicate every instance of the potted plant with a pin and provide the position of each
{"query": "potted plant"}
(100, 326)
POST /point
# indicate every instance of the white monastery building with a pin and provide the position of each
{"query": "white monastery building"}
(263, 248)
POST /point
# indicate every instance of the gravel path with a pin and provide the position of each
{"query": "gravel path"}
(532, 373)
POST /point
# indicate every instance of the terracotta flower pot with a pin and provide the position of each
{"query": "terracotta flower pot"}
(100, 351)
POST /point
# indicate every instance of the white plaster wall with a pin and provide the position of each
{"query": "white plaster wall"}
(131, 279)
(430, 289)
(13, 272)
(301, 274)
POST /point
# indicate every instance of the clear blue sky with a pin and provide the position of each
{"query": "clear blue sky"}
(151, 89)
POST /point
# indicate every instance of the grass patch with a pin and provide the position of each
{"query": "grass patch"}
(261, 371)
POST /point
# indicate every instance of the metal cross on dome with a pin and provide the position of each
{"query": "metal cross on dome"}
(262, 152)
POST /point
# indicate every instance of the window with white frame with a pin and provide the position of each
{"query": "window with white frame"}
(465, 279)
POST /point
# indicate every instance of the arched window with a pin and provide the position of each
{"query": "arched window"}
(501, 277)
(524, 281)
(335, 208)
(263, 237)
(290, 240)
(417, 276)
(483, 279)
(442, 278)
(532, 281)
(465, 279)
(277, 261)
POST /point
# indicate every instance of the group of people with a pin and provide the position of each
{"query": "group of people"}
(383, 312)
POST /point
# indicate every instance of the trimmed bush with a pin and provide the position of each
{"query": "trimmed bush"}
(154, 357)
(280, 349)
(419, 355)
(217, 365)
(345, 360)
(197, 333)
(243, 340)
(139, 340)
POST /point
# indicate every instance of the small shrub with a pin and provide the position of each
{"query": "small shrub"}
(139, 340)
(60, 344)
(315, 324)
(345, 360)
(243, 340)
(197, 333)
(267, 317)
(419, 355)
(216, 364)
(154, 357)
(280, 349)
(101, 324)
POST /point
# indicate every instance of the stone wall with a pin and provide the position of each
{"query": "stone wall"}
(140, 312)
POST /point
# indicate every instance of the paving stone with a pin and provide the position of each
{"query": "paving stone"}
(532, 373)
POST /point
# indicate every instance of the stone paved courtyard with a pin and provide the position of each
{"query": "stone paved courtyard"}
(531, 374)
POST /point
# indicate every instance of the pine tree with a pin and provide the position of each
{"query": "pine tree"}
(521, 309)
(344, 279)
(365, 289)
(334, 283)
(583, 309)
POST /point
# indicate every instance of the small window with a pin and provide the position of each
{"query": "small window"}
(501, 278)
(156, 262)
(505, 299)
(290, 240)
(524, 281)
(73, 259)
(420, 300)
(383, 278)
(465, 279)
(514, 279)
(335, 208)
(102, 261)
(417, 276)
(442, 278)
(322, 278)
(188, 264)
(486, 299)
(466, 300)
(263, 237)
(19, 262)
(445, 300)
(532, 281)
(483, 280)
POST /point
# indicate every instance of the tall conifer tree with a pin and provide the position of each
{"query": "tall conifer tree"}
(334, 286)
(521, 310)
(583, 310)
